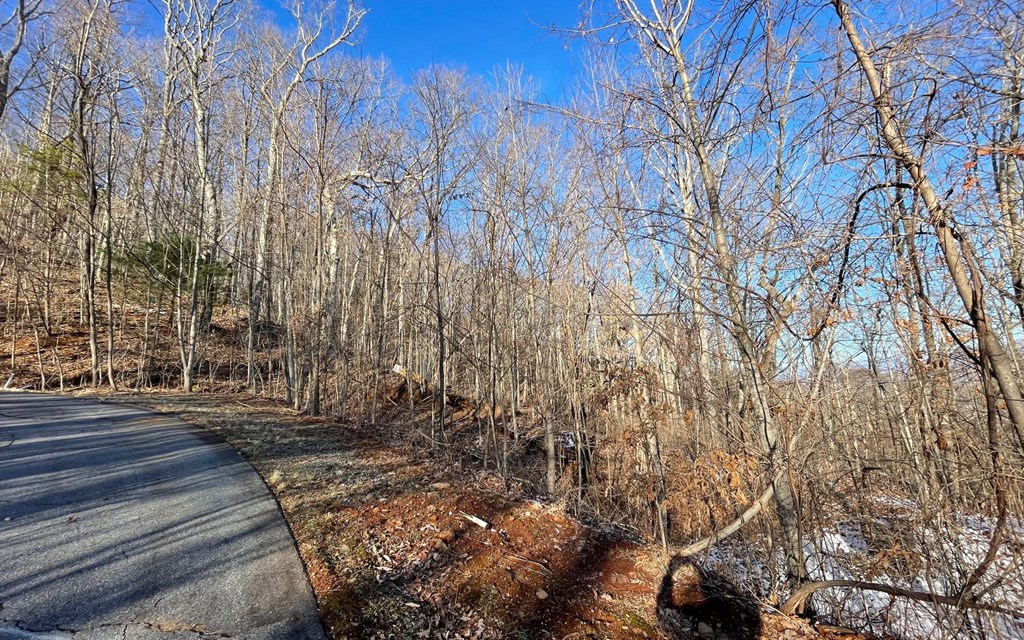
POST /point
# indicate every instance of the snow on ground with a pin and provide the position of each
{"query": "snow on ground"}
(897, 548)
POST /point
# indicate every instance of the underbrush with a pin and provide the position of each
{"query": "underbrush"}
(902, 546)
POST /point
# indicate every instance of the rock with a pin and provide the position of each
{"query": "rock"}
(705, 630)
(542, 594)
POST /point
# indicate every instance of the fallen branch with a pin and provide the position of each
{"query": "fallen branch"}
(796, 601)
(745, 517)
(734, 526)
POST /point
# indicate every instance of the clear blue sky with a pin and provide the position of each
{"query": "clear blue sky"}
(477, 34)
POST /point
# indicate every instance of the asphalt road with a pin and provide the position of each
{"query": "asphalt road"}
(118, 523)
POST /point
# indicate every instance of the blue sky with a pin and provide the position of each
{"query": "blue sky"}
(477, 34)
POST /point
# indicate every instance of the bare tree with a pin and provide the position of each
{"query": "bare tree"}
(443, 109)
(286, 70)
(197, 31)
(25, 11)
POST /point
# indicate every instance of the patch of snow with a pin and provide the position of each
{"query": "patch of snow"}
(943, 555)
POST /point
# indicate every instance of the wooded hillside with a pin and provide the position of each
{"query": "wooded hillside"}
(761, 269)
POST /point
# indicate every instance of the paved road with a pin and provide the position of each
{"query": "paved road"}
(120, 523)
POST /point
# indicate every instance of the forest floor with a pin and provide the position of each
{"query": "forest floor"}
(399, 545)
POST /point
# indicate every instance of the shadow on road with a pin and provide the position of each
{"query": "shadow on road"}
(109, 514)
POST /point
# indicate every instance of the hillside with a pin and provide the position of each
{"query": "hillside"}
(737, 300)
(392, 548)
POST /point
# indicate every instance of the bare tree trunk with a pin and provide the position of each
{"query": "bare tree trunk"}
(956, 246)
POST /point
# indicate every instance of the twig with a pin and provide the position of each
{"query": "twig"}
(483, 524)
(515, 556)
